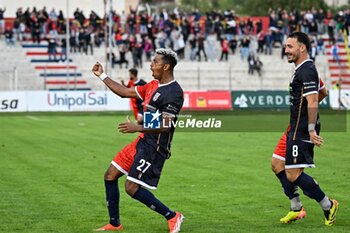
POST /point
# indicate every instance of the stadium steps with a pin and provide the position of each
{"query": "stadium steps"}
(339, 71)
(53, 71)
(191, 75)
(70, 89)
(211, 75)
(15, 57)
(63, 75)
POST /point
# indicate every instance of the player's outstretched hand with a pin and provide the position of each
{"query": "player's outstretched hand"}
(316, 139)
(128, 126)
(97, 69)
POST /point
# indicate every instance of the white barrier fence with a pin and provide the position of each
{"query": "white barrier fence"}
(339, 103)
(61, 101)
(70, 101)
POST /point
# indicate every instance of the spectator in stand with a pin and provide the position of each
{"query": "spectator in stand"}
(283, 50)
(53, 15)
(201, 47)
(73, 41)
(313, 51)
(233, 45)
(211, 42)
(79, 16)
(261, 41)
(52, 27)
(143, 23)
(244, 48)
(131, 21)
(313, 29)
(180, 46)
(35, 31)
(118, 37)
(257, 65)
(173, 36)
(193, 46)
(81, 43)
(320, 45)
(224, 49)
(123, 21)
(136, 51)
(51, 48)
(63, 55)
(268, 42)
(251, 63)
(259, 26)
(42, 18)
(2, 20)
(331, 25)
(88, 43)
(9, 39)
(185, 29)
(161, 37)
(148, 48)
(95, 20)
(16, 28)
(61, 26)
(218, 27)
(335, 54)
(321, 26)
(123, 49)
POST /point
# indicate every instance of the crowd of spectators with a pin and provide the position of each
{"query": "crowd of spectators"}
(203, 35)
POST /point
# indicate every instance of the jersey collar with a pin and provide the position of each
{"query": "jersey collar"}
(162, 85)
(297, 67)
(138, 80)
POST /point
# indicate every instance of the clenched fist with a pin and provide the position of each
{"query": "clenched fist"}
(97, 69)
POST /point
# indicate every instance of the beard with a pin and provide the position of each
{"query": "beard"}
(293, 58)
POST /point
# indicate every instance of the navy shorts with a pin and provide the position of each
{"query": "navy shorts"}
(299, 154)
(147, 166)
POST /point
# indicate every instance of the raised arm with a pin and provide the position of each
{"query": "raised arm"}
(117, 88)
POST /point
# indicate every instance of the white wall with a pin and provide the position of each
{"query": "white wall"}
(336, 2)
(85, 5)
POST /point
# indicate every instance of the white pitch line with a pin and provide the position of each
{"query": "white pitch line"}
(36, 118)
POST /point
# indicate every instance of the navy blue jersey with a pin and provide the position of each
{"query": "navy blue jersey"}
(168, 100)
(305, 81)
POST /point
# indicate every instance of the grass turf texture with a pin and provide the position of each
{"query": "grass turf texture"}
(52, 166)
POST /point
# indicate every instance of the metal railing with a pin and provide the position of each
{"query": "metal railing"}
(12, 76)
(68, 78)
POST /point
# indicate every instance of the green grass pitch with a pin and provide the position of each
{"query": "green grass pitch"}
(52, 166)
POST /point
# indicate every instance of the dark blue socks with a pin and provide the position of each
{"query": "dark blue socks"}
(147, 198)
(112, 198)
(289, 188)
(310, 187)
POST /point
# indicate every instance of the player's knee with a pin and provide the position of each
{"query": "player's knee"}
(292, 176)
(109, 176)
(274, 168)
(131, 188)
(277, 166)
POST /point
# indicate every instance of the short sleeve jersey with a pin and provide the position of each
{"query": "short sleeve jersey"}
(137, 103)
(168, 100)
(304, 82)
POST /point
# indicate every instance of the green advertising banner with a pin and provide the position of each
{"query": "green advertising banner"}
(265, 99)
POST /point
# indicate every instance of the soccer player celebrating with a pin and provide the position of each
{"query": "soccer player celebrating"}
(136, 103)
(143, 159)
(278, 164)
(303, 133)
